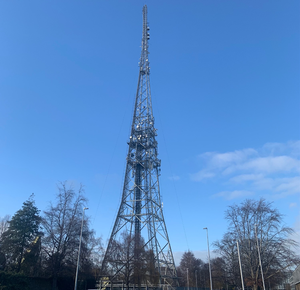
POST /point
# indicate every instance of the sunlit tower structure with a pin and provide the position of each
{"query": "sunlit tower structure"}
(139, 251)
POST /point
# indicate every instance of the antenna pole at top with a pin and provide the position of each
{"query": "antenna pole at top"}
(144, 61)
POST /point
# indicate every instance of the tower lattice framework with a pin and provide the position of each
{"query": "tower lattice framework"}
(139, 251)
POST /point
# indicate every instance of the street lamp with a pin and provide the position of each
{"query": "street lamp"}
(208, 258)
(262, 274)
(75, 287)
(241, 271)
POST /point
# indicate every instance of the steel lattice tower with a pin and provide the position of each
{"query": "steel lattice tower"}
(139, 250)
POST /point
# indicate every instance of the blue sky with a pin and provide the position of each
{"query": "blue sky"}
(225, 90)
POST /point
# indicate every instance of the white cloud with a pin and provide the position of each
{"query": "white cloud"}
(288, 186)
(293, 204)
(291, 147)
(233, 194)
(264, 183)
(295, 148)
(275, 167)
(246, 177)
(223, 160)
(272, 164)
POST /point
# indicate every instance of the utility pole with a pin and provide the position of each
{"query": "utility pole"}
(238, 249)
(261, 269)
(77, 267)
(208, 259)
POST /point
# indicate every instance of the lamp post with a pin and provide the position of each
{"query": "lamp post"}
(196, 278)
(241, 271)
(75, 287)
(208, 258)
(262, 274)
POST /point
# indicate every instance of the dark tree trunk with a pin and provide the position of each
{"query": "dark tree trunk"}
(54, 282)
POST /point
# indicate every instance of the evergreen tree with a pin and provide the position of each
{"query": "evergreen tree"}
(187, 269)
(23, 229)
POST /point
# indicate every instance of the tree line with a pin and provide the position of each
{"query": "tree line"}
(256, 226)
(45, 245)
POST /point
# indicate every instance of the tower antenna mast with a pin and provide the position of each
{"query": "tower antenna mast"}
(139, 251)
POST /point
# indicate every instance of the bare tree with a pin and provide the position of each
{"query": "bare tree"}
(61, 224)
(277, 250)
(190, 262)
(4, 223)
(92, 255)
(218, 266)
(130, 263)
